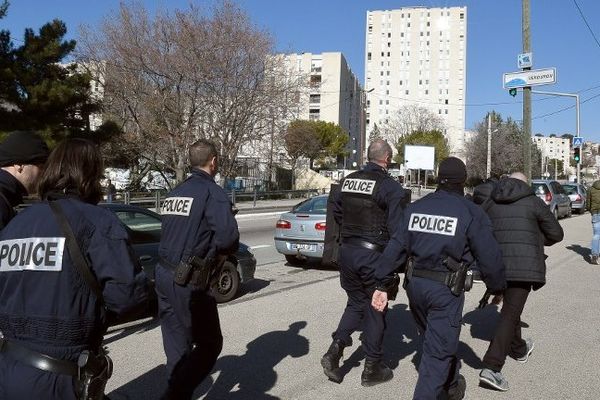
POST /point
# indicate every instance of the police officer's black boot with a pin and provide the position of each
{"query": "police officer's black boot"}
(375, 372)
(457, 392)
(331, 361)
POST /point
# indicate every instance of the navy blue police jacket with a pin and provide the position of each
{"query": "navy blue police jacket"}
(445, 224)
(197, 221)
(11, 195)
(390, 197)
(45, 304)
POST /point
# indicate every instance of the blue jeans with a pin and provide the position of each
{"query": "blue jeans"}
(596, 236)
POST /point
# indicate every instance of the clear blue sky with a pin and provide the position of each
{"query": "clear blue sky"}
(560, 39)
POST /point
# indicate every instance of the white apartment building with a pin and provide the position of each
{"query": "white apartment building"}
(553, 148)
(334, 95)
(417, 56)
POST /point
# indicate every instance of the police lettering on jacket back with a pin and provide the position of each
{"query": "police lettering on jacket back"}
(33, 254)
(435, 224)
(363, 216)
(177, 206)
(359, 186)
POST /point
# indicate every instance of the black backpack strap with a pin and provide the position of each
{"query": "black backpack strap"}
(79, 262)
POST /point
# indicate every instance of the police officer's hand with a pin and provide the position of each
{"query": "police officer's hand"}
(379, 300)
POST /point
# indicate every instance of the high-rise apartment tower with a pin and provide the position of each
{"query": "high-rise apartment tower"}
(417, 56)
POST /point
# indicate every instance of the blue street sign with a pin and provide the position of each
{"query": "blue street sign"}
(577, 141)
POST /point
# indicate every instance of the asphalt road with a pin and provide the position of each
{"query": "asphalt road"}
(277, 330)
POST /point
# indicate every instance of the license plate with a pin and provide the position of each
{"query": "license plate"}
(303, 246)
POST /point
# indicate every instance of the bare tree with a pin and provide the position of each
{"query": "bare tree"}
(506, 150)
(172, 78)
(408, 119)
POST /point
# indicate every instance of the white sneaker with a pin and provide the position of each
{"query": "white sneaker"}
(530, 346)
(493, 379)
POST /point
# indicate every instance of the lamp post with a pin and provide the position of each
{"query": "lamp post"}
(488, 169)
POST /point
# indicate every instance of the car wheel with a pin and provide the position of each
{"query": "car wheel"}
(227, 283)
(293, 260)
(555, 212)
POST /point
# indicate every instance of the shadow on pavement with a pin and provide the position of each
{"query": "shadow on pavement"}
(131, 328)
(482, 322)
(255, 285)
(251, 375)
(401, 337)
(585, 252)
(147, 386)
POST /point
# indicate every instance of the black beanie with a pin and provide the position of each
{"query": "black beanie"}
(452, 170)
(23, 147)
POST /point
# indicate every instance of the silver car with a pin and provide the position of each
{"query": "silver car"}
(300, 233)
(577, 194)
(555, 197)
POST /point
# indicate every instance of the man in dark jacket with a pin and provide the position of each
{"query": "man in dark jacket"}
(592, 204)
(483, 192)
(22, 154)
(523, 224)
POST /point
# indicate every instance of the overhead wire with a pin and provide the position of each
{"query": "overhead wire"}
(586, 22)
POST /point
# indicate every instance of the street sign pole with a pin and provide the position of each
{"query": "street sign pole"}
(578, 162)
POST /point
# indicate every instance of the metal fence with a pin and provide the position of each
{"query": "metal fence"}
(155, 199)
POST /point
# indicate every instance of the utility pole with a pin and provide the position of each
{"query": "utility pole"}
(577, 133)
(526, 24)
(488, 172)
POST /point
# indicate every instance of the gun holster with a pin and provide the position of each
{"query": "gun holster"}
(93, 374)
(203, 269)
(408, 271)
(196, 271)
(460, 278)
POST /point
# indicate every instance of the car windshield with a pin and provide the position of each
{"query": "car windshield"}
(316, 205)
(570, 189)
(539, 188)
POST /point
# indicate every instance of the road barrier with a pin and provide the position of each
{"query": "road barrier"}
(155, 199)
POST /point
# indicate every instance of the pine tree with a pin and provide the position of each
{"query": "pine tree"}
(37, 89)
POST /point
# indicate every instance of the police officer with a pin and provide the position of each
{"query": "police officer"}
(436, 234)
(368, 206)
(22, 154)
(198, 230)
(50, 314)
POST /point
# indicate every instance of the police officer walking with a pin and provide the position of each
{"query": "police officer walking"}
(198, 231)
(66, 266)
(368, 206)
(22, 154)
(435, 236)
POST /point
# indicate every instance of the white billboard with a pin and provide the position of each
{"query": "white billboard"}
(419, 157)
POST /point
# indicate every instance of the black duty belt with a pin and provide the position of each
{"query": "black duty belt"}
(37, 360)
(364, 244)
(438, 276)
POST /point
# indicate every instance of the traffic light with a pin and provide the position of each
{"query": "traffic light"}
(512, 92)
(577, 154)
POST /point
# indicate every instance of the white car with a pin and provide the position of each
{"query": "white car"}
(300, 233)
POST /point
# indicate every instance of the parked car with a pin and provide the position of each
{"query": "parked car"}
(553, 194)
(577, 193)
(144, 227)
(300, 233)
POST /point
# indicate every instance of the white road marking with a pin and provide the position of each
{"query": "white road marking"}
(261, 246)
(258, 215)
